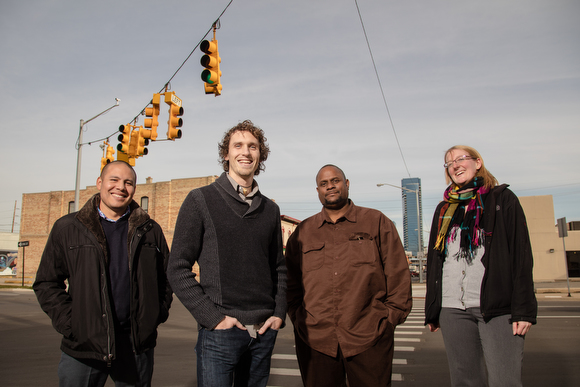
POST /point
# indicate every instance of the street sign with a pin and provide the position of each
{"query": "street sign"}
(562, 228)
(23, 244)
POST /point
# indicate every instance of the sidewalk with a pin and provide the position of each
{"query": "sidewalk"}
(559, 287)
(543, 289)
(15, 280)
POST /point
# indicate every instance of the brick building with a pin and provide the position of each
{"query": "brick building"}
(161, 200)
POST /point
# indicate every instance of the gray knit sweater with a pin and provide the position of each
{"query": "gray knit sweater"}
(239, 251)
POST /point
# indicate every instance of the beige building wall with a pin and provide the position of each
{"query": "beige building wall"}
(549, 259)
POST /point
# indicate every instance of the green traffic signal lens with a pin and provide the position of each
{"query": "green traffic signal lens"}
(206, 76)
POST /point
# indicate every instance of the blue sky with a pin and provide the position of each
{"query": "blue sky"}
(503, 77)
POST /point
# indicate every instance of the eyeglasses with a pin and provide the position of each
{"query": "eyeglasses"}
(459, 161)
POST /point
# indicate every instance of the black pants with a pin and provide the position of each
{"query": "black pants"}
(371, 368)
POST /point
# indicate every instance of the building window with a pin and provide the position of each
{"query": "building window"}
(71, 207)
(145, 204)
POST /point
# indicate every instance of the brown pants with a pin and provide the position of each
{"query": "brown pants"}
(371, 368)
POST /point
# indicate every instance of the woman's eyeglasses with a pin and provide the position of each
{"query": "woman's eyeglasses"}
(459, 161)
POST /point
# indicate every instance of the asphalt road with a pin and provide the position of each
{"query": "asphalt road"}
(30, 347)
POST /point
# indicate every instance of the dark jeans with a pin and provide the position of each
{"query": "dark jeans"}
(371, 368)
(135, 371)
(126, 370)
(233, 356)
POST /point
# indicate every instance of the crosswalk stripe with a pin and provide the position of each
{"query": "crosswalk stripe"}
(407, 339)
(285, 371)
(282, 356)
(404, 349)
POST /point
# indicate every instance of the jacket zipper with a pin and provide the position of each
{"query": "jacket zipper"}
(139, 232)
(109, 357)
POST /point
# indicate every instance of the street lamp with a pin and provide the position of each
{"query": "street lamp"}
(80, 151)
(419, 246)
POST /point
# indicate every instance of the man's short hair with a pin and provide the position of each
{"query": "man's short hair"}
(245, 126)
(333, 166)
(104, 170)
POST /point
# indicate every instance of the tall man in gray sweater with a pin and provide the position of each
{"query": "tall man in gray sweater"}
(233, 232)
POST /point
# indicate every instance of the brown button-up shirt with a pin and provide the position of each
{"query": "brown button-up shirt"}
(346, 280)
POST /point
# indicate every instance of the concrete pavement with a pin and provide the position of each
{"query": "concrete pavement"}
(543, 289)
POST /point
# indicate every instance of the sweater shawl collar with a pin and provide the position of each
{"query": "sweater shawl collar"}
(227, 189)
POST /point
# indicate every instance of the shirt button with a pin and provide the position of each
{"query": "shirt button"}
(335, 273)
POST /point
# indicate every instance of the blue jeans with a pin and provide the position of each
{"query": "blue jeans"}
(127, 370)
(480, 353)
(233, 356)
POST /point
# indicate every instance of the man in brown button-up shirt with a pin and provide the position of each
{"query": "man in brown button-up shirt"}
(349, 285)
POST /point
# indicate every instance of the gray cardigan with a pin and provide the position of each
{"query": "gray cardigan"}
(239, 251)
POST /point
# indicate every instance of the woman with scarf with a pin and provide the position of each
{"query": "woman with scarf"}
(480, 290)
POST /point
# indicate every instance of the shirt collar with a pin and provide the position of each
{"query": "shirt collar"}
(239, 189)
(111, 220)
(349, 215)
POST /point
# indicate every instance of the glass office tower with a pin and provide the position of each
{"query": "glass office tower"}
(412, 214)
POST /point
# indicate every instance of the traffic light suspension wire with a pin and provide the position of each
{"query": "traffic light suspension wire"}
(215, 25)
(381, 87)
(167, 84)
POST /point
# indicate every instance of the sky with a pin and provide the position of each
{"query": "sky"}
(501, 76)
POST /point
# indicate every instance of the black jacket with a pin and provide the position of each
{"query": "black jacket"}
(77, 251)
(507, 286)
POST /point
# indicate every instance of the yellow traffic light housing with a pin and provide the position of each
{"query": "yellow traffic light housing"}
(211, 61)
(108, 154)
(141, 142)
(124, 139)
(153, 112)
(175, 111)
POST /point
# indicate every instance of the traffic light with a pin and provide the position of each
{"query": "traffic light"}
(152, 112)
(175, 111)
(141, 142)
(133, 143)
(108, 156)
(124, 139)
(211, 61)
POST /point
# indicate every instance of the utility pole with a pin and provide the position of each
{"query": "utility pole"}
(14, 216)
(80, 152)
(563, 233)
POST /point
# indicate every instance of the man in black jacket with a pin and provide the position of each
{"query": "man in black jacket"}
(114, 259)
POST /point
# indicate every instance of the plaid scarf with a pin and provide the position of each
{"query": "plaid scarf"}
(468, 221)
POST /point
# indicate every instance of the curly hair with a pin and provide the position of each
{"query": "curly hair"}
(245, 126)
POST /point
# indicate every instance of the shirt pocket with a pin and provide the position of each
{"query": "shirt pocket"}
(312, 256)
(361, 249)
